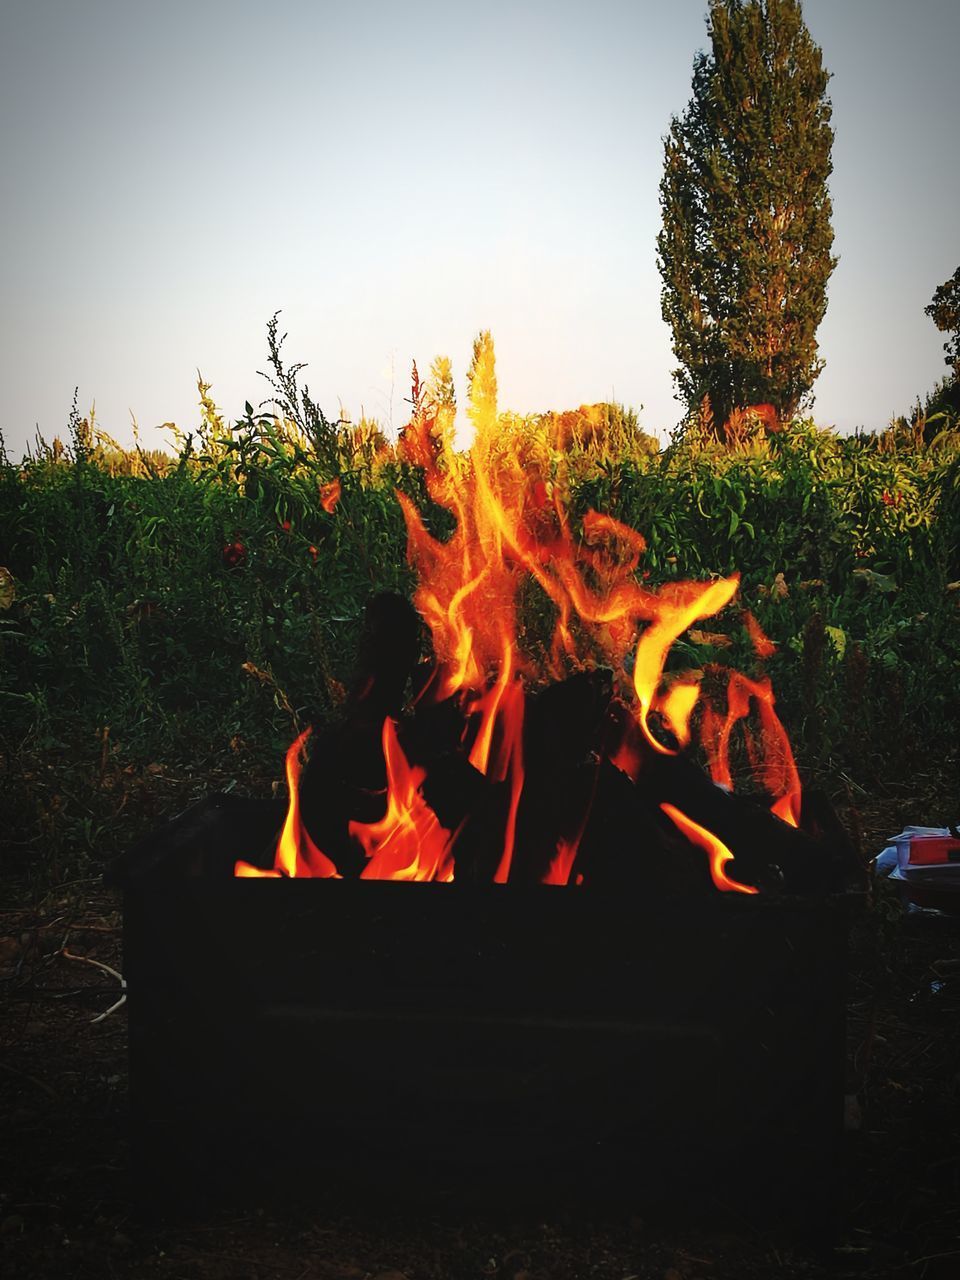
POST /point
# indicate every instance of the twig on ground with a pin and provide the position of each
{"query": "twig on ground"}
(931, 1257)
(107, 1012)
(79, 927)
(98, 964)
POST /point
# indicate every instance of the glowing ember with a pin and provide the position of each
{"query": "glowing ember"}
(513, 529)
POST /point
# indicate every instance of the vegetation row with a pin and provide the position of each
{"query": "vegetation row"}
(167, 622)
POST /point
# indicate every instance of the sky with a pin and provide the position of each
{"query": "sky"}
(396, 177)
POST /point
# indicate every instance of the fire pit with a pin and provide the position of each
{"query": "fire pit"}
(614, 976)
(460, 1044)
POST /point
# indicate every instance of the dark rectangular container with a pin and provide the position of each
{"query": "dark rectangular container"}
(467, 1046)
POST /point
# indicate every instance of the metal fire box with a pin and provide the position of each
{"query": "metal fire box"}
(462, 1045)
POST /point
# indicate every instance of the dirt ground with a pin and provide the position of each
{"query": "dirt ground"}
(66, 1206)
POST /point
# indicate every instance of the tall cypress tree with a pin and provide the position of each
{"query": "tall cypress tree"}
(745, 247)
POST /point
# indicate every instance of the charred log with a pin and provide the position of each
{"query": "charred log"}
(564, 722)
(630, 846)
(344, 779)
(819, 819)
(478, 849)
(204, 842)
(553, 810)
(386, 659)
(768, 853)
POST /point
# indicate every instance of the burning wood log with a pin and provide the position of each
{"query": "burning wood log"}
(564, 722)
(563, 725)
(630, 846)
(767, 852)
(344, 779)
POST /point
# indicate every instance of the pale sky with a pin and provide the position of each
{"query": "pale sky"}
(397, 177)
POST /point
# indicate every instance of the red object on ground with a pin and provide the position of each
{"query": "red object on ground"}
(928, 851)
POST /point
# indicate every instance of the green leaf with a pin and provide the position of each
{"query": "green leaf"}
(838, 638)
(880, 582)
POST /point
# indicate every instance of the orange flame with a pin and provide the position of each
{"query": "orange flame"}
(562, 862)
(680, 604)
(771, 758)
(408, 843)
(296, 854)
(497, 750)
(763, 646)
(512, 526)
(715, 849)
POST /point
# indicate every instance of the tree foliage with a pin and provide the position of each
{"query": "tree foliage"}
(744, 251)
(944, 310)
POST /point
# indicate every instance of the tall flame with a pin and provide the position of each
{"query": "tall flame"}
(500, 758)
